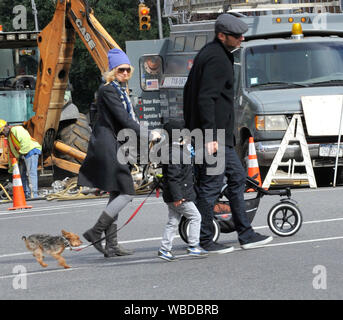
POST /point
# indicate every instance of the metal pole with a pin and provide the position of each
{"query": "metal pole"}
(34, 11)
(338, 143)
(160, 32)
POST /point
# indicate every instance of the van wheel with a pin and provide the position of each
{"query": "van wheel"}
(75, 134)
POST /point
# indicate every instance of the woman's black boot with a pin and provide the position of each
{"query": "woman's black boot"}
(94, 234)
(112, 247)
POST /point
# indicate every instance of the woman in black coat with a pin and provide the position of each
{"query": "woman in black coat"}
(101, 168)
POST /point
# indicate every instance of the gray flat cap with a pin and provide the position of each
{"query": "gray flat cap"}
(227, 23)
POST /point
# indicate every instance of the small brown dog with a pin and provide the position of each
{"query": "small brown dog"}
(53, 245)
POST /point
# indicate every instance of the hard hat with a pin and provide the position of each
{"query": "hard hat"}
(3, 124)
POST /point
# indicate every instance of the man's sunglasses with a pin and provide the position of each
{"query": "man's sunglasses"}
(235, 35)
(122, 70)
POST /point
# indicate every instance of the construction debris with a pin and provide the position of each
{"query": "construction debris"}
(68, 189)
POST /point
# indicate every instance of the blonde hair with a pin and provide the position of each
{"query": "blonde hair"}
(111, 75)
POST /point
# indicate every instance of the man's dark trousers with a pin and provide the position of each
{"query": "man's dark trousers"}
(208, 188)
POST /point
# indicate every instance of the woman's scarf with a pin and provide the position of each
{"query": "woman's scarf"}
(125, 99)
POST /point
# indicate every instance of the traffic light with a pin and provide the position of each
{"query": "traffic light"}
(144, 17)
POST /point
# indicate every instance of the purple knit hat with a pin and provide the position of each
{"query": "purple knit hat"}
(116, 57)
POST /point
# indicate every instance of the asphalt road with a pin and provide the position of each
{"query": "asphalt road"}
(307, 265)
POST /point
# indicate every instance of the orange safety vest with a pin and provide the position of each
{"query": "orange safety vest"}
(15, 144)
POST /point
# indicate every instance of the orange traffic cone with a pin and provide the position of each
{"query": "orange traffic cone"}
(19, 201)
(253, 168)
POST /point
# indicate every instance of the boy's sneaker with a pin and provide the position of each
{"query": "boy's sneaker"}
(196, 252)
(256, 241)
(166, 255)
(217, 248)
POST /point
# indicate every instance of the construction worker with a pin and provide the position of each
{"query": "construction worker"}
(26, 150)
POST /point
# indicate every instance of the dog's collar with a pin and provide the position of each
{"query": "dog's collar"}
(66, 242)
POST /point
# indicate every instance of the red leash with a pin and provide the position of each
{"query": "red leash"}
(139, 207)
(131, 217)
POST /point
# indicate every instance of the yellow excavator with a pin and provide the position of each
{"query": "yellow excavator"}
(56, 45)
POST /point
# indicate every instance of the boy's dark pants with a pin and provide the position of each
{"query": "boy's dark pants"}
(208, 188)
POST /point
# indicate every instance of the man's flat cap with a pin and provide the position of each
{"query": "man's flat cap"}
(227, 23)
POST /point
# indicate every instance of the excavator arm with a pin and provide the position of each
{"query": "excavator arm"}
(56, 45)
(94, 36)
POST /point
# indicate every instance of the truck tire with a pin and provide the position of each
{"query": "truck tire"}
(75, 134)
(245, 154)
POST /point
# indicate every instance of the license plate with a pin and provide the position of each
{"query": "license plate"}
(174, 82)
(330, 150)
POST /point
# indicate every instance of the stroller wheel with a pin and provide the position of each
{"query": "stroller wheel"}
(184, 229)
(285, 219)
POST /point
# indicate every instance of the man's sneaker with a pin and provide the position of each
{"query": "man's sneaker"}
(256, 241)
(166, 255)
(196, 252)
(217, 248)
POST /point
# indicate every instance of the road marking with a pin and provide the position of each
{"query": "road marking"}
(143, 240)
(14, 254)
(308, 222)
(38, 272)
(303, 241)
(82, 204)
(324, 220)
(22, 214)
(137, 199)
(83, 246)
(40, 215)
(317, 190)
(294, 242)
(160, 238)
(39, 209)
(118, 263)
(177, 236)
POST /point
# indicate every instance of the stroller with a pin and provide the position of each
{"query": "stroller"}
(284, 218)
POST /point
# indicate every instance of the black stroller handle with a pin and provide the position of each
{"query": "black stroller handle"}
(251, 182)
(282, 192)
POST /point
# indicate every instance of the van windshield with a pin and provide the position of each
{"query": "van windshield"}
(294, 65)
(179, 64)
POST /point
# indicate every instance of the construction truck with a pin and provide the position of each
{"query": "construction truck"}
(274, 68)
(34, 88)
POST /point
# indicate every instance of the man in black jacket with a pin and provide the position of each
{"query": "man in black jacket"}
(208, 104)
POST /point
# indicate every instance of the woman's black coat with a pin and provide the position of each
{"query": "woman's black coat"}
(208, 93)
(101, 168)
